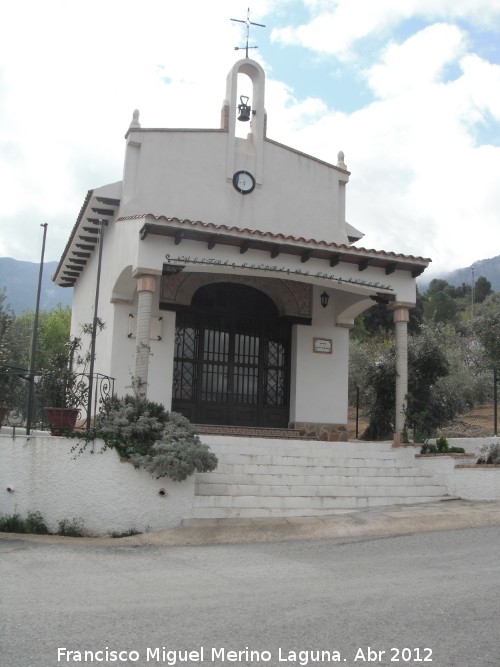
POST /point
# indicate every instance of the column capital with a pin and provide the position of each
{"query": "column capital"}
(146, 283)
(398, 305)
(401, 310)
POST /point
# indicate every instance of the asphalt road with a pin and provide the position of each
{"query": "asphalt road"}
(423, 599)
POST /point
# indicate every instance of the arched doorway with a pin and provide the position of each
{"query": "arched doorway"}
(231, 361)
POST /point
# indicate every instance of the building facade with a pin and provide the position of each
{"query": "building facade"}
(228, 277)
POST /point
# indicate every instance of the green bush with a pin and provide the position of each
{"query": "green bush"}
(441, 447)
(178, 454)
(490, 454)
(33, 523)
(163, 443)
(71, 527)
(442, 444)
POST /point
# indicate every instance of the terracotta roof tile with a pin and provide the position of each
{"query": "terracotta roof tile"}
(300, 240)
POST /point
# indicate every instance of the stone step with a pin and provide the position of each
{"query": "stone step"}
(304, 448)
(300, 475)
(329, 467)
(266, 478)
(303, 487)
(343, 505)
(251, 432)
(317, 501)
(307, 461)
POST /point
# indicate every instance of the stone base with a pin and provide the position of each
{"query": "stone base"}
(325, 432)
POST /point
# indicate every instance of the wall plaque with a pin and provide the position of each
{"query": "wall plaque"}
(322, 345)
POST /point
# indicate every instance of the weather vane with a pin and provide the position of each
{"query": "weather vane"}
(248, 23)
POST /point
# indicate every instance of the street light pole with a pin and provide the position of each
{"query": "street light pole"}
(94, 326)
(472, 293)
(34, 339)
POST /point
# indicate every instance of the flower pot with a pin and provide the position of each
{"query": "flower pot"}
(3, 413)
(61, 419)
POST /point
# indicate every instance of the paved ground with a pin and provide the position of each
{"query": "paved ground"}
(428, 598)
(385, 521)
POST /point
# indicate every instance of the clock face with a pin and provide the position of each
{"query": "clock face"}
(244, 182)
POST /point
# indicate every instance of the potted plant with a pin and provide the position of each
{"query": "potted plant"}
(62, 390)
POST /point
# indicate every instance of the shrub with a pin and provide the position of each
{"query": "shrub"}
(71, 527)
(34, 523)
(490, 454)
(163, 443)
(442, 444)
(441, 447)
(178, 454)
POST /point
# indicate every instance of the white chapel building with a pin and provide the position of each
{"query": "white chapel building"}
(229, 276)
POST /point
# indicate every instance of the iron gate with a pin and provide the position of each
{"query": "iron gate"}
(232, 359)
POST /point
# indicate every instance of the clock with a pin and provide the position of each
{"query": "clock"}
(244, 182)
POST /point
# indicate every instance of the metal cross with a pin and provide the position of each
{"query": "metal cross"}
(248, 23)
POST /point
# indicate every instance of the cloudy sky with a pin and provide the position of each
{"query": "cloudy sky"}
(408, 89)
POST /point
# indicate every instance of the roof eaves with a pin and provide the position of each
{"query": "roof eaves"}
(243, 232)
(86, 202)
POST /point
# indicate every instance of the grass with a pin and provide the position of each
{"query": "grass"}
(34, 523)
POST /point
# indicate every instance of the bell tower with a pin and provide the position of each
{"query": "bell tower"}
(248, 153)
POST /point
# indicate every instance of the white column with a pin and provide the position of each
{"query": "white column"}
(145, 288)
(401, 318)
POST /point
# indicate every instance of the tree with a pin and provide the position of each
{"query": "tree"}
(437, 285)
(487, 329)
(440, 307)
(11, 385)
(53, 334)
(427, 363)
(377, 318)
(482, 289)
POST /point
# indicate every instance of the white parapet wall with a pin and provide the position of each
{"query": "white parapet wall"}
(40, 473)
(463, 478)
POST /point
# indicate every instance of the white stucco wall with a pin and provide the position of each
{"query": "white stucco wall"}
(319, 380)
(109, 495)
(181, 173)
(470, 483)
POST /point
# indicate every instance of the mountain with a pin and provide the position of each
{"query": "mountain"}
(489, 268)
(20, 282)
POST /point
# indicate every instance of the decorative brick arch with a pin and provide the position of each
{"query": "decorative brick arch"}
(292, 298)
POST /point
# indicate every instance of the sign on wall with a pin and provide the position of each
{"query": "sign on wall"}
(322, 345)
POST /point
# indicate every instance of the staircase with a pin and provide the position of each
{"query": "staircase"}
(265, 477)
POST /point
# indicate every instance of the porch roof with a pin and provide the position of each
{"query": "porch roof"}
(101, 206)
(276, 244)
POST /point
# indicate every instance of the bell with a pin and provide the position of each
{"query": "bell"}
(244, 108)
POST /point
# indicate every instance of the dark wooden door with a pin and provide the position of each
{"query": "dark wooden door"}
(231, 362)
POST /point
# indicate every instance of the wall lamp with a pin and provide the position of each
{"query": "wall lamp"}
(324, 298)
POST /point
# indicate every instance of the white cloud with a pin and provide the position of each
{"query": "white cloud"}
(418, 62)
(335, 27)
(421, 183)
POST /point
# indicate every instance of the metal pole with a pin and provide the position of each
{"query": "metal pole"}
(34, 340)
(495, 400)
(357, 412)
(94, 326)
(472, 292)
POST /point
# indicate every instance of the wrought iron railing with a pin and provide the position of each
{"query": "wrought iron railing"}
(17, 402)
